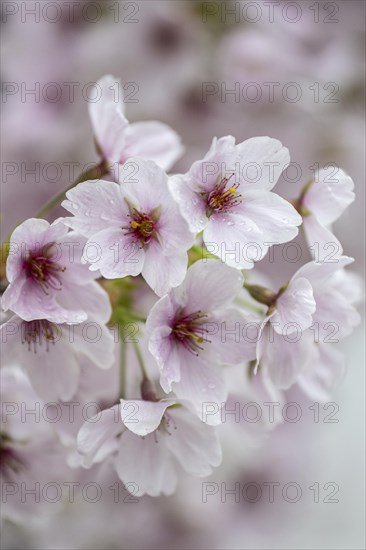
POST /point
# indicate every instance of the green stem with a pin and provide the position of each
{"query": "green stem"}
(201, 253)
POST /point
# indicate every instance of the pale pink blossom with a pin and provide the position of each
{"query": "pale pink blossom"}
(133, 227)
(150, 441)
(323, 202)
(228, 196)
(298, 323)
(195, 330)
(118, 140)
(53, 355)
(47, 279)
(31, 454)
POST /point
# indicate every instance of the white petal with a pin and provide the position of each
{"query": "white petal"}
(237, 240)
(109, 123)
(167, 356)
(154, 141)
(54, 374)
(200, 384)
(319, 273)
(323, 245)
(147, 464)
(191, 204)
(162, 271)
(329, 195)
(268, 158)
(95, 341)
(209, 284)
(143, 417)
(294, 307)
(145, 184)
(96, 205)
(194, 444)
(276, 218)
(97, 431)
(283, 358)
(91, 298)
(114, 254)
(335, 316)
(228, 342)
(320, 379)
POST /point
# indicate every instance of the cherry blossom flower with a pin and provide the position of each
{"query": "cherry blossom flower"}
(321, 203)
(151, 441)
(30, 452)
(306, 313)
(46, 277)
(227, 195)
(53, 355)
(135, 226)
(195, 329)
(334, 306)
(118, 140)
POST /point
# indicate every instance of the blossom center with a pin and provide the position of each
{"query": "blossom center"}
(35, 333)
(190, 331)
(223, 197)
(142, 226)
(42, 268)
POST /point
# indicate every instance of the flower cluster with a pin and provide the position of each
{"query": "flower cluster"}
(172, 259)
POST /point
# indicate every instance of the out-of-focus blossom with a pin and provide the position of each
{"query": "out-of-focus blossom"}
(31, 454)
(303, 319)
(321, 203)
(118, 140)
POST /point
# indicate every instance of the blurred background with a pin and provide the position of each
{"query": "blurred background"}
(291, 70)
